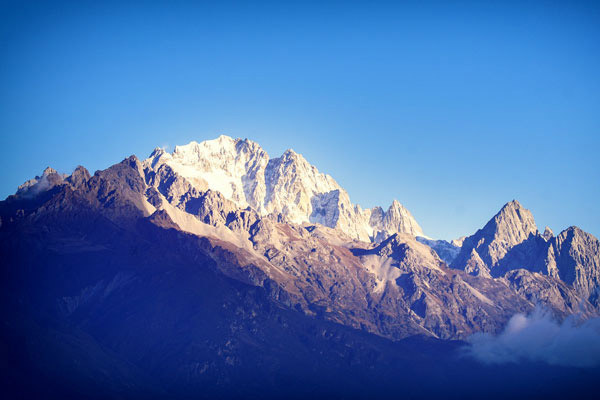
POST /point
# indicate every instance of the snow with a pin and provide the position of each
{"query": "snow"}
(288, 185)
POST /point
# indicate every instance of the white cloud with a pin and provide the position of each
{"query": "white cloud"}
(539, 337)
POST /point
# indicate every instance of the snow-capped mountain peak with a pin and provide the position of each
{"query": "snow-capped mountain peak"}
(242, 171)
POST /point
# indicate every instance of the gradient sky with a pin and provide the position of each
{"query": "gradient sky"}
(452, 109)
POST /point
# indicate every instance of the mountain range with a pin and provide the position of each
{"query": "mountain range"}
(220, 270)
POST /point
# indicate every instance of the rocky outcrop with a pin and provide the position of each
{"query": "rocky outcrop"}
(548, 234)
(551, 292)
(397, 219)
(576, 255)
(79, 177)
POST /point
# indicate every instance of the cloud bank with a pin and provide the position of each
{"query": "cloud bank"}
(539, 337)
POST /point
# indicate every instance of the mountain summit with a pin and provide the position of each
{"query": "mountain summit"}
(482, 251)
(287, 185)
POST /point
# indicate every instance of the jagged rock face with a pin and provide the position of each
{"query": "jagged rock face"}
(411, 279)
(548, 234)
(397, 219)
(121, 190)
(79, 177)
(210, 206)
(301, 193)
(234, 168)
(577, 257)
(398, 288)
(555, 294)
(475, 265)
(176, 189)
(510, 227)
(288, 186)
(510, 242)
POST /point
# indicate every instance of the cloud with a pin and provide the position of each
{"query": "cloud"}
(42, 185)
(34, 187)
(539, 337)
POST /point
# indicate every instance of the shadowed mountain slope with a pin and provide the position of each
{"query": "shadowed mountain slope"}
(142, 280)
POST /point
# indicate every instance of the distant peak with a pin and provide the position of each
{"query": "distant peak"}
(574, 229)
(514, 211)
(225, 138)
(248, 145)
(131, 159)
(512, 225)
(221, 143)
(157, 152)
(185, 147)
(48, 171)
(548, 234)
(291, 155)
(575, 232)
(79, 176)
(81, 171)
(397, 207)
(513, 204)
(396, 204)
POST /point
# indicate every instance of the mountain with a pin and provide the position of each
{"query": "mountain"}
(480, 253)
(568, 263)
(219, 271)
(575, 254)
(288, 186)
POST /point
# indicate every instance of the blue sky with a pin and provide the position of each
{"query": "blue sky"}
(452, 109)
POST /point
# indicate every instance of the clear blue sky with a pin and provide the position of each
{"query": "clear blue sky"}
(452, 109)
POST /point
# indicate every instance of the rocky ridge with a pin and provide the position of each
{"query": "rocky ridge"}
(140, 282)
(394, 285)
(511, 242)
